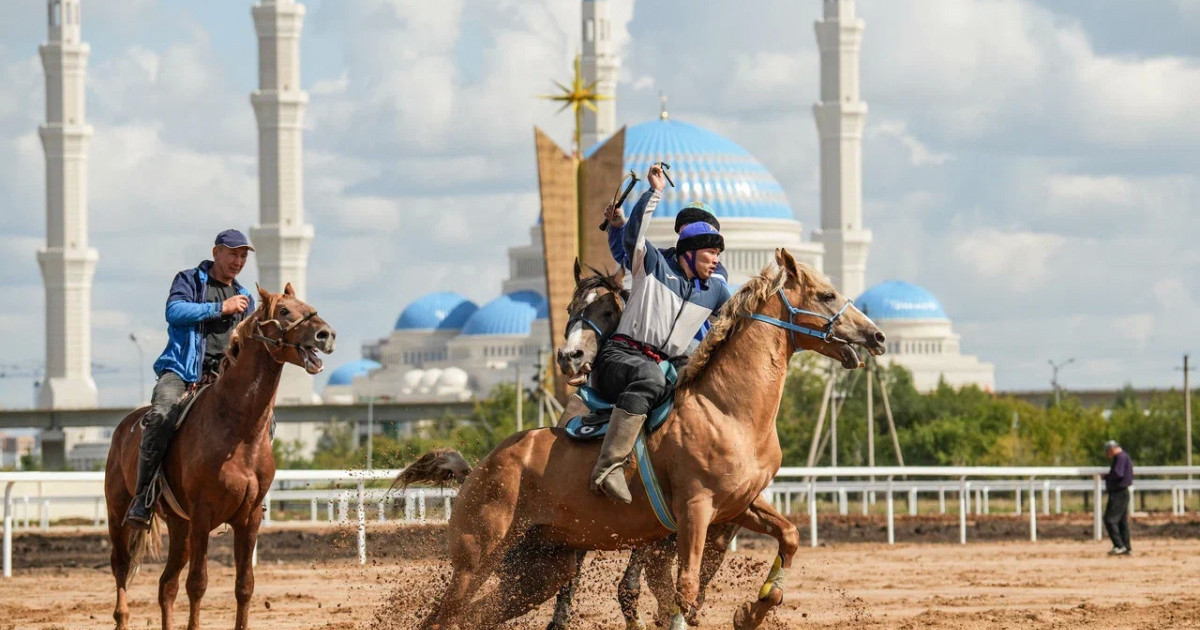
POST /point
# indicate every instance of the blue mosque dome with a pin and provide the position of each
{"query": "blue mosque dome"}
(444, 310)
(705, 167)
(895, 299)
(345, 374)
(509, 314)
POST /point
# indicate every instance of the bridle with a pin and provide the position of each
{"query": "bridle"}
(824, 334)
(581, 318)
(283, 331)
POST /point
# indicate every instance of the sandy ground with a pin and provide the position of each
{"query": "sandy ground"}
(859, 585)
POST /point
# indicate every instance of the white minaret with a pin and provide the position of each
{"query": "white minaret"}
(600, 65)
(840, 116)
(67, 262)
(282, 238)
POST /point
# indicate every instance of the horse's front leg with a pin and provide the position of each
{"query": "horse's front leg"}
(197, 579)
(762, 518)
(693, 529)
(245, 537)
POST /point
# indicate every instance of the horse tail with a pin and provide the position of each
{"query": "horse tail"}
(438, 466)
(143, 541)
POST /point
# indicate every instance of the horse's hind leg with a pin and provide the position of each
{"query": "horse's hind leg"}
(529, 577)
(477, 545)
(762, 518)
(177, 557)
(562, 606)
(657, 559)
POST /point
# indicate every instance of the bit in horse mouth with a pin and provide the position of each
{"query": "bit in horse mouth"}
(312, 362)
(850, 358)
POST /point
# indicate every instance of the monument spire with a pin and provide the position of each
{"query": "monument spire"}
(600, 65)
(67, 263)
(281, 238)
(840, 116)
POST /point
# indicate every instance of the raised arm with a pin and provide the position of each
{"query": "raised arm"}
(636, 248)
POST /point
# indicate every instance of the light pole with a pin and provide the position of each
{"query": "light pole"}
(141, 366)
(1054, 377)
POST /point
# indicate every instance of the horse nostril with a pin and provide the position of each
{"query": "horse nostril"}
(879, 338)
(578, 354)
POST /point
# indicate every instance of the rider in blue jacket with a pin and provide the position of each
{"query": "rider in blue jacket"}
(671, 298)
(694, 212)
(203, 307)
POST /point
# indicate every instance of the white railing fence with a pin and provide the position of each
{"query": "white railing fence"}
(971, 487)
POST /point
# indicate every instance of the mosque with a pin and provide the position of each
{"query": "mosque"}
(446, 347)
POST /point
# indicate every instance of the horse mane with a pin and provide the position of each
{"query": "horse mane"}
(238, 337)
(731, 318)
(600, 280)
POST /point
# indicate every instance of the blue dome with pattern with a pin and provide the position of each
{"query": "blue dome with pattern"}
(895, 299)
(705, 167)
(345, 374)
(444, 310)
(509, 314)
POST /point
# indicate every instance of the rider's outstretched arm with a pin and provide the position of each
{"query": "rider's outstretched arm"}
(636, 247)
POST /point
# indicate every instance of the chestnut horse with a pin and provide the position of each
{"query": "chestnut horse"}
(717, 452)
(219, 465)
(594, 312)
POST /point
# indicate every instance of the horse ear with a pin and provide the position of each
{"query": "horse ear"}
(288, 291)
(578, 270)
(787, 263)
(262, 293)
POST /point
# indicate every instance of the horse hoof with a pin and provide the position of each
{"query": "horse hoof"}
(678, 622)
(635, 624)
(743, 617)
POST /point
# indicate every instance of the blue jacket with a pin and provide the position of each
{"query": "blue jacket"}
(616, 245)
(187, 308)
(664, 309)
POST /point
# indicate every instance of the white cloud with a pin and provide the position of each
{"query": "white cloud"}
(1016, 259)
(918, 153)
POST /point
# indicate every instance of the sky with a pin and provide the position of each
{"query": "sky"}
(1033, 164)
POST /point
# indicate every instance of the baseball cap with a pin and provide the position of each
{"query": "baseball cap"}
(232, 239)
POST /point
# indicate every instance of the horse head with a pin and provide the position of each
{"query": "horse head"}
(822, 319)
(291, 330)
(595, 311)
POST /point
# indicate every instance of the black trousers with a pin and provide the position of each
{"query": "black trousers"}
(1116, 517)
(167, 391)
(628, 378)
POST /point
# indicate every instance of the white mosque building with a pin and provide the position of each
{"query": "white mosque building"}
(445, 347)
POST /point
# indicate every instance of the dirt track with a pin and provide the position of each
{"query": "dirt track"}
(1050, 584)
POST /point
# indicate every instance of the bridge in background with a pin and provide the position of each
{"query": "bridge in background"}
(53, 421)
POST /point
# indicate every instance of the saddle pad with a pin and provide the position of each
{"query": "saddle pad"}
(595, 425)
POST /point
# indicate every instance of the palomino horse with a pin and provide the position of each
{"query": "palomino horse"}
(219, 465)
(716, 453)
(594, 312)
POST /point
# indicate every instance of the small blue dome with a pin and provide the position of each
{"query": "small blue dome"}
(444, 310)
(705, 167)
(345, 374)
(510, 314)
(895, 299)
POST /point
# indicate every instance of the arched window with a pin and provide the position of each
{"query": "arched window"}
(55, 13)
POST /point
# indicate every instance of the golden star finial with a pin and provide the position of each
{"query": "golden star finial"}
(577, 97)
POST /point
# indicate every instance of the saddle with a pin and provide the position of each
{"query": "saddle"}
(595, 424)
(159, 488)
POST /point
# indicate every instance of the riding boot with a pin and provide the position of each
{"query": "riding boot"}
(156, 435)
(609, 474)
